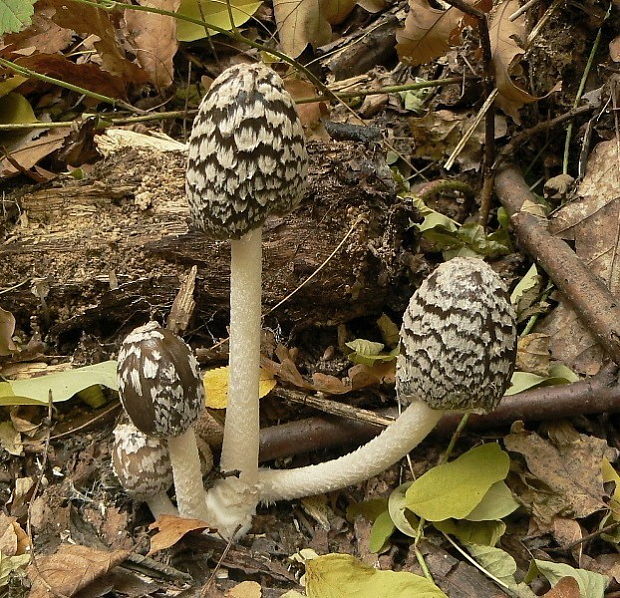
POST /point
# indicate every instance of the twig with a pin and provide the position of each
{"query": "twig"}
(489, 116)
(517, 13)
(204, 591)
(608, 528)
(596, 307)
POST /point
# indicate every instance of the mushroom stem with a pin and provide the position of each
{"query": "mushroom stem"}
(187, 475)
(160, 504)
(398, 439)
(241, 432)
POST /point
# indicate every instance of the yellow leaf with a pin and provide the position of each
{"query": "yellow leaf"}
(213, 12)
(216, 386)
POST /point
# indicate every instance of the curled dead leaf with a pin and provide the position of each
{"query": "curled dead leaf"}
(172, 529)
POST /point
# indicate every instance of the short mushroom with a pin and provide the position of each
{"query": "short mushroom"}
(142, 466)
(161, 390)
(247, 160)
(458, 344)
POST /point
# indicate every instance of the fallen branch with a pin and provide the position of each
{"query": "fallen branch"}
(593, 302)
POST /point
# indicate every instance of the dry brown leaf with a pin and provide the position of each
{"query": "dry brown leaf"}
(43, 35)
(88, 20)
(286, 370)
(591, 221)
(330, 384)
(309, 114)
(614, 49)
(154, 38)
(172, 529)
(569, 466)
(567, 587)
(13, 539)
(246, 589)
(299, 23)
(566, 531)
(88, 75)
(27, 155)
(428, 32)
(505, 36)
(70, 569)
(533, 354)
(7, 328)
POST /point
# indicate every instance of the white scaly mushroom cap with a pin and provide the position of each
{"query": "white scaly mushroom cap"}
(247, 153)
(140, 462)
(159, 381)
(458, 339)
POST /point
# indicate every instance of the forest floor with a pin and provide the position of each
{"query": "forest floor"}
(431, 134)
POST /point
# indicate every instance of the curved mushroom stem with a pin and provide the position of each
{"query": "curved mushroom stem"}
(241, 430)
(398, 439)
(160, 504)
(187, 475)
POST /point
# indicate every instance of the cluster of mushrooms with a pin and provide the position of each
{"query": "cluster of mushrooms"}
(247, 160)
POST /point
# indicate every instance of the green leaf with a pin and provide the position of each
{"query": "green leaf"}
(486, 533)
(591, 584)
(501, 566)
(558, 374)
(214, 12)
(15, 109)
(343, 576)
(497, 503)
(63, 385)
(370, 509)
(369, 352)
(382, 529)
(389, 331)
(15, 15)
(455, 489)
(403, 519)
(8, 564)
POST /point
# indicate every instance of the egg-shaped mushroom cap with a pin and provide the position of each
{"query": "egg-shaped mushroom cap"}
(140, 462)
(458, 339)
(247, 153)
(159, 382)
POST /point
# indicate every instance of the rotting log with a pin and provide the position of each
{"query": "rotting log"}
(105, 251)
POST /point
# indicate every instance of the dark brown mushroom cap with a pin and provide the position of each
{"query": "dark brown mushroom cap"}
(140, 462)
(458, 339)
(159, 382)
(247, 153)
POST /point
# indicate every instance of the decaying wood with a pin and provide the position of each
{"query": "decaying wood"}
(107, 250)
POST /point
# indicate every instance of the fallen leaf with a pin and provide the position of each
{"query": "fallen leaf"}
(310, 114)
(43, 34)
(154, 38)
(505, 36)
(172, 529)
(11, 439)
(9, 564)
(70, 569)
(614, 49)
(246, 589)
(591, 222)
(7, 328)
(569, 469)
(215, 382)
(567, 587)
(453, 490)
(338, 575)
(590, 584)
(62, 385)
(15, 15)
(299, 23)
(428, 32)
(215, 13)
(533, 354)
(89, 20)
(13, 539)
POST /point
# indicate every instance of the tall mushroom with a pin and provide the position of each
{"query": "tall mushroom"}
(160, 386)
(458, 344)
(247, 160)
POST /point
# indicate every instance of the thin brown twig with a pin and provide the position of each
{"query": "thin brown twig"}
(204, 591)
(596, 534)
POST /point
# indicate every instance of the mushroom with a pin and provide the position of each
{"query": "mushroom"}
(247, 160)
(142, 466)
(161, 389)
(458, 345)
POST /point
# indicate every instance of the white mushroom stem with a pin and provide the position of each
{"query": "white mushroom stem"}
(160, 504)
(187, 476)
(398, 439)
(241, 431)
